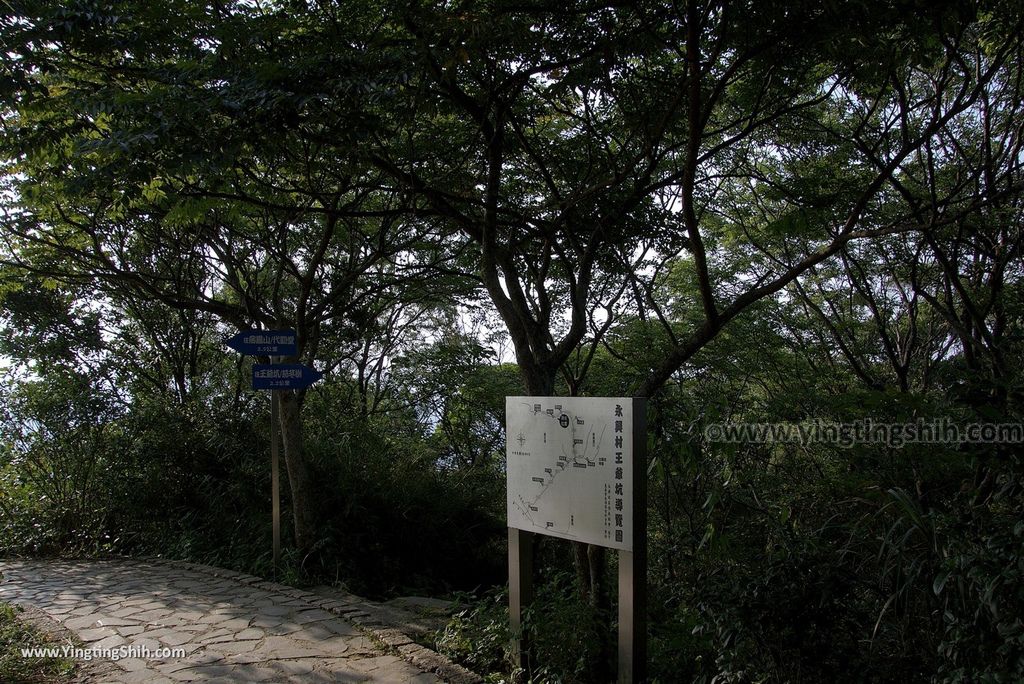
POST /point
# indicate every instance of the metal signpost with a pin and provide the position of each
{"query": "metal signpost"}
(275, 377)
(575, 469)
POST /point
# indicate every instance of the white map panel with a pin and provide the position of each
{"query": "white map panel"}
(570, 468)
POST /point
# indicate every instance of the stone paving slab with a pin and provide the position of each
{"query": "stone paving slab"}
(230, 627)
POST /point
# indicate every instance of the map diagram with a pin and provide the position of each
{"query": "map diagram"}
(570, 468)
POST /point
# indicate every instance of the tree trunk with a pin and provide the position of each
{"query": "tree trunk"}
(298, 471)
(590, 573)
(539, 380)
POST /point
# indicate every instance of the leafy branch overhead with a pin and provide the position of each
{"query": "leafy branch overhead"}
(740, 210)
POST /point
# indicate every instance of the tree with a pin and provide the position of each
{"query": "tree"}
(676, 111)
(604, 173)
(256, 221)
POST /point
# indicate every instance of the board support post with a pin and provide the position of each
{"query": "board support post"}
(520, 593)
(633, 565)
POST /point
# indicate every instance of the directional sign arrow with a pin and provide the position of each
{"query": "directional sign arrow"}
(274, 376)
(265, 343)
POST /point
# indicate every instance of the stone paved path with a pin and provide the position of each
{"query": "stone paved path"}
(234, 628)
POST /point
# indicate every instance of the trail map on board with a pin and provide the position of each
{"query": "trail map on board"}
(570, 468)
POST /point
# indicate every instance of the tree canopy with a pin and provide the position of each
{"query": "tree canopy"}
(744, 211)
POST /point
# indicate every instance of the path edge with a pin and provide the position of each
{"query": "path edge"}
(57, 636)
(357, 611)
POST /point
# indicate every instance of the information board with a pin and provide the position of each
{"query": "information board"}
(570, 468)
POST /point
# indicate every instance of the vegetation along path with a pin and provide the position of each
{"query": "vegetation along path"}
(231, 627)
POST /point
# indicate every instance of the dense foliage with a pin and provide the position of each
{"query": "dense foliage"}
(803, 214)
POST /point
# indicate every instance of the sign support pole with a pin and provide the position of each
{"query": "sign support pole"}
(275, 482)
(520, 592)
(633, 565)
(274, 344)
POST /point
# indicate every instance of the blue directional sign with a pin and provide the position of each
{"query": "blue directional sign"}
(275, 376)
(265, 343)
